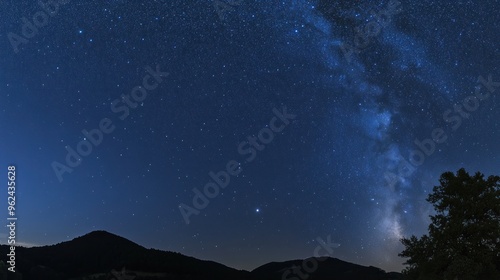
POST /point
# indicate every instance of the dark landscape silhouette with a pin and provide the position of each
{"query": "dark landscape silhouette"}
(103, 255)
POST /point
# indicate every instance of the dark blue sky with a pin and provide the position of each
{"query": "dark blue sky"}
(364, 81)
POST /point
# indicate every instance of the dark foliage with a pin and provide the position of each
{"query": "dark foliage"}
(464, 235)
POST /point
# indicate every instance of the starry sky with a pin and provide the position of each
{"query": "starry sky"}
(335, 118)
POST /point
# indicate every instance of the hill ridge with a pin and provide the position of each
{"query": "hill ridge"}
(100, 253)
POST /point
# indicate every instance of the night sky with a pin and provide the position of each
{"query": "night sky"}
(316, 108)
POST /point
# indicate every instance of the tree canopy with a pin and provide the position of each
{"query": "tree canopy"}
(463, 240)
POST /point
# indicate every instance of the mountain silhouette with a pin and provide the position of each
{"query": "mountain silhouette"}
(103, 255)
(328, 268)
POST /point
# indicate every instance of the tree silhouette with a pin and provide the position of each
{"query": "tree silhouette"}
(464, 235)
